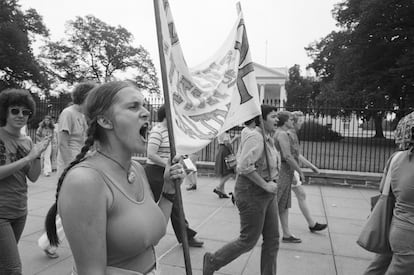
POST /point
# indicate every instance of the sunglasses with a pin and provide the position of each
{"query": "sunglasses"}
(16, 111)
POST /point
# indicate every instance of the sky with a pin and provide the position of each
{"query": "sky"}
(278, 31)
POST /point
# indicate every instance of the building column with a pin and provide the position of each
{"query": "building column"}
(262, 93)
(283, 95)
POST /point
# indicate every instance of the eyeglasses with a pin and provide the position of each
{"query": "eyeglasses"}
(16, 111)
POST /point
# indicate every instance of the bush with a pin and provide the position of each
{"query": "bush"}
(313, 131)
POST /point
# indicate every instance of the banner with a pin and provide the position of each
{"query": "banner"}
(213, 97)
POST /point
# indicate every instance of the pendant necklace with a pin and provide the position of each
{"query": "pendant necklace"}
(130, 174)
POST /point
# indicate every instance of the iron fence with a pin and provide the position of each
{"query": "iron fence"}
(331, 138)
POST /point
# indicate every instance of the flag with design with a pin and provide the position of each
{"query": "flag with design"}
(213, 97)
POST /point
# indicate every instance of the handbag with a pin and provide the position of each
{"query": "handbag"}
(374, 236)
(231, 161)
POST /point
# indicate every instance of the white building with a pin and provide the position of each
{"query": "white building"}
(271, 84)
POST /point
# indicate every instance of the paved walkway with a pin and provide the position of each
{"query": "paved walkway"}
(333, 251)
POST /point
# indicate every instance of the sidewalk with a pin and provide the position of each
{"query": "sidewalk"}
(331, 252)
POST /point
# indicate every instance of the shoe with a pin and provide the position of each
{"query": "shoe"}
(191, 187)
(208, 268)
(50, 254)
(47, 174)
(220, 194)
(193, 242)
(291, 239)
(318, 227)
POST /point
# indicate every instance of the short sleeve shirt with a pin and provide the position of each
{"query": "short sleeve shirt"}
(74, 123)
(251, 156)
(159, 137)
(13, 189)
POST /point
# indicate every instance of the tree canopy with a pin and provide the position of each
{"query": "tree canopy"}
(369, 62)
(18, 66)
(371, 57)
(300, 91)
(97, 51)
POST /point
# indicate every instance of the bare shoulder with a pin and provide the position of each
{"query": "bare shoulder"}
(81, 182)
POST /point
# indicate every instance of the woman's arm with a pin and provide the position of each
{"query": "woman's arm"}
(284, 143)
(32, 159)
(38, 134)
(83, 203)
(11, 168)
(172, 174)
(309, 164)
(35, 167)
(269, 186)
(252, 150)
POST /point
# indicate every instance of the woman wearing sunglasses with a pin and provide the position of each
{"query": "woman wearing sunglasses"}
(19, 159)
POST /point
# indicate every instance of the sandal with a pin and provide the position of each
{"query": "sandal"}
(220, 194)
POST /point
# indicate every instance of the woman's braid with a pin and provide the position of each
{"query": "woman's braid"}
(50, 222)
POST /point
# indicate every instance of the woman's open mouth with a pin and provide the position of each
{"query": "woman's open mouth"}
(143, 131)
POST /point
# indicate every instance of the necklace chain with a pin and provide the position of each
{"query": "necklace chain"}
(130, 175)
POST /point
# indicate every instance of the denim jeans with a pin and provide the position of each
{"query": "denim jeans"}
(10, 232)
(401, 260)
(258, 216)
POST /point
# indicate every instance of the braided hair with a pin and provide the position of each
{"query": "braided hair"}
(98, 102)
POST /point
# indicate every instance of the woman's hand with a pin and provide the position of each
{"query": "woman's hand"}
(270, 187)
(302, 177)
(174, 171)
(39, 148)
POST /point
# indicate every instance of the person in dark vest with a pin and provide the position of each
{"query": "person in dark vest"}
(158, 152)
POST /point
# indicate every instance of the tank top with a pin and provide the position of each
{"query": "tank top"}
(133, 227)
(293, 144)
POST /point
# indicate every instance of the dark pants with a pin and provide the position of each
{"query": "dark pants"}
(155, 175)
(258, 216)
(10, 232)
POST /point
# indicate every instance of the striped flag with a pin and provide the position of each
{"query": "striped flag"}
(213, 97)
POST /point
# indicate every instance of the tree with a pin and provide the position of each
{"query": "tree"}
(369, 63)
(300, 91)
(97, 51)
(18, 65)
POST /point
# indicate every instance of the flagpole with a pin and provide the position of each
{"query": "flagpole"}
(239, 10)
(178, 199)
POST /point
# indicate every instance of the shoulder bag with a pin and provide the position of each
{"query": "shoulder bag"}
(230, 160)
(374, 236)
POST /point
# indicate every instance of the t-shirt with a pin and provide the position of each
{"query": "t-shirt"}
(74, 123)
(159, 137)
(13, 189)
(402, 185)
